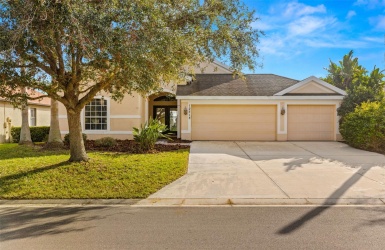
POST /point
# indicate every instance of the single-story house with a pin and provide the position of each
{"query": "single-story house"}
(39, 113)
(217, 106)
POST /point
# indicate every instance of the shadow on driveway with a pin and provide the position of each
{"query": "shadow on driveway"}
(332, 200)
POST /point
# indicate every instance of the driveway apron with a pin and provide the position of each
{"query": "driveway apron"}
(278, 170)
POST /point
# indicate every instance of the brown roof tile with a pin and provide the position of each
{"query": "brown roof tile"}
(227, 85)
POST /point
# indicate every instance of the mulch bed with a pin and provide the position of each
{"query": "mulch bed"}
(129, 146)
(126, 146)
(175, 140)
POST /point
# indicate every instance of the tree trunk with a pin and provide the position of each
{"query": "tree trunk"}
(77, 149)
(54, 137)
(25, 133)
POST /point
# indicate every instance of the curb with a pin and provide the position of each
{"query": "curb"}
(197, 202)
(165, 202)
(68, 202)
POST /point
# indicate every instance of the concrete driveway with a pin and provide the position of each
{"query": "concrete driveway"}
(278, 172)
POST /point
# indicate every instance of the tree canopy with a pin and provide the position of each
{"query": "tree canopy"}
(71, 50)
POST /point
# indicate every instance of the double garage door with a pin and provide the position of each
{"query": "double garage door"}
(259, 122)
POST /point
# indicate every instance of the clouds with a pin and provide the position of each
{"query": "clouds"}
(371, 4)
(351, 14)
(296, 9)
(309, 24)
(378, 22)
(294, 28)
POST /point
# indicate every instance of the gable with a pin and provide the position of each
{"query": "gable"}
(312, 86)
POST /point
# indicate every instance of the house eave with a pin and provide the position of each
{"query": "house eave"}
(302, 97)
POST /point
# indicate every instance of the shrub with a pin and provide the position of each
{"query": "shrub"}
(147, 135)
(67, 138)
(105, 142)
(365, 127)
(37, 133)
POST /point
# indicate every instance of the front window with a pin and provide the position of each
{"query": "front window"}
(96, 115)
(32, 118)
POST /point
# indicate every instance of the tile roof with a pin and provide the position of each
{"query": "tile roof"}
(227, 85)
(44, 101)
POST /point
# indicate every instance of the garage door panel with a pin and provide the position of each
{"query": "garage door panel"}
(311, 122)
(229, 122)
(237, 118)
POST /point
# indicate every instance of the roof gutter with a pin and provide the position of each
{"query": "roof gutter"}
(259, 97)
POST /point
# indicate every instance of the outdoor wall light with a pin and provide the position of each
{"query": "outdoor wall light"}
(185, 110)
(283, 111)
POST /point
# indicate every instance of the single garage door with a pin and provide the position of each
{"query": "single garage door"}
(311, 123)
(233, 122)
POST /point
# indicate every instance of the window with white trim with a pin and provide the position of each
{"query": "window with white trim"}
(95, 115)
(32, 117)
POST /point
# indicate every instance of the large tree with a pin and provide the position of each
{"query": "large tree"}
(72, 50)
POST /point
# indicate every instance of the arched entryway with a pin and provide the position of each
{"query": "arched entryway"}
(163, 106)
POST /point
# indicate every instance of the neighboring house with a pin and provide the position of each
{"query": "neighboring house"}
(216, 106)
(38, 112)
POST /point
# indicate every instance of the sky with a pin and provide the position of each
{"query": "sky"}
(302, 36)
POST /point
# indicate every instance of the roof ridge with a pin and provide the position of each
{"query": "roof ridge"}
(275, 75)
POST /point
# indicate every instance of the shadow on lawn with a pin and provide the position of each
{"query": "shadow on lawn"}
(6, 181)
(14, 151)
(21, 223)
(330, 201)
(34, 171)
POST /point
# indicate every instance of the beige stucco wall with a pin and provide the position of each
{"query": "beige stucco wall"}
(281, 117)
(130, 105)
(43, 116)
(123, 124)
(185, 117)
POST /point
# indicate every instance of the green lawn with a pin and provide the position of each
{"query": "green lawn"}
(31, 173)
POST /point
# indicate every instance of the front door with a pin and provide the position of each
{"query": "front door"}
(167, 115)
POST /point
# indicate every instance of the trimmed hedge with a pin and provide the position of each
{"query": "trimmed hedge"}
(365, 127)
(105, 142)
(38, 134)
(67, 138)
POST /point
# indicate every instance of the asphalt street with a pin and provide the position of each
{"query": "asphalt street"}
(126, 227)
